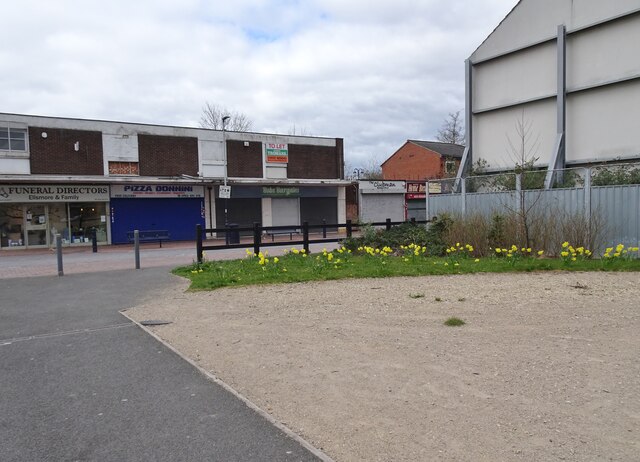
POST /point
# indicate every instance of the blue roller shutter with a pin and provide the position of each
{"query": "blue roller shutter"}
(179, 216)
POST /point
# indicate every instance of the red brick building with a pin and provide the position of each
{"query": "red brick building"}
(423, 160)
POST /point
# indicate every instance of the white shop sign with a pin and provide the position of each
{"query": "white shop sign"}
(53, 193)
(381, 187)
(155, 191)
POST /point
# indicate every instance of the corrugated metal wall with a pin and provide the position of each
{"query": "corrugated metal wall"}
(616, 207)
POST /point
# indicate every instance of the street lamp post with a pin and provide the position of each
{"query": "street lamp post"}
(357, 172)
(224, 147)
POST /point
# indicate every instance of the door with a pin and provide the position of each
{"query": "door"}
(36, 225)
(285, 212)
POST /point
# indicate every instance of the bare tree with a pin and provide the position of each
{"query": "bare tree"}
(299, 131)
(523, 150)
(212, 115)
(452, 130)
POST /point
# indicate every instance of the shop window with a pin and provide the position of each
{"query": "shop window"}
(84, 217)
(11, 220)
(13, 139)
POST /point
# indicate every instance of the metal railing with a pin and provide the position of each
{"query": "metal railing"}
(258, 231)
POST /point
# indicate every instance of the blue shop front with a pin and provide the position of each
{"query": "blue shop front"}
(175, 208)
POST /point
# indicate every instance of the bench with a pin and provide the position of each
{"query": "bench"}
(150, 236)
(289, 231)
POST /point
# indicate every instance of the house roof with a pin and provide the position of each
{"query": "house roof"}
(444, 149)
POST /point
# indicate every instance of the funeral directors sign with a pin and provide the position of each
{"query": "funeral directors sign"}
(277, 153)
(155, 191)
(53, 193)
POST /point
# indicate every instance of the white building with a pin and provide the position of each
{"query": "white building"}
(568, 69)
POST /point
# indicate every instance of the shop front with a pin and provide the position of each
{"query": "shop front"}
(416, 205)
(32, 215)
(381, 199)
(175, 208)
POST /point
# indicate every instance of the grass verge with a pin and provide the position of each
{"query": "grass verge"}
(300, 268)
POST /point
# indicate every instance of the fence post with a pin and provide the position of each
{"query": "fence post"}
(136, 247)
(349, 228)
(587, 202)
(257, 237)
(388, 224)
(519, 194)
(305, 236)
(199, 243)
(426, 201)
(463, 195)
(59, 254)
(324, 228)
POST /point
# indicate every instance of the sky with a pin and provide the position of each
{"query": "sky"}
(373, 72)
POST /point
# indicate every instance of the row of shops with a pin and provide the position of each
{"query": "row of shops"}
(32, 214)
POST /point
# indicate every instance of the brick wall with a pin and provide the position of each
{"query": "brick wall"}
(167, 155)
(413, 162)
(56, 153)
(244, 161)
(311, 162)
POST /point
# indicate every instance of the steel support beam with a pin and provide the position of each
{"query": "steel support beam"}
(558, 157)
(467, 157)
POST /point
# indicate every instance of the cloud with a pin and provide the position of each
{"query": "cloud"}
(373, 73)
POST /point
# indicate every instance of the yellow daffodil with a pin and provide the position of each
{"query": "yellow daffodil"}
(477, 260)
(565, 244)
(540, 252)
(276, 259)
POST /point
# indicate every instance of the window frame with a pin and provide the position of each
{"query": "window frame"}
(15, 152)
(446, 166)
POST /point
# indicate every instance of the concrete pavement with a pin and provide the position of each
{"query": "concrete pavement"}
(80, 382)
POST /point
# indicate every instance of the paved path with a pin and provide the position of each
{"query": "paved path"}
(80, 382)
(43, 262)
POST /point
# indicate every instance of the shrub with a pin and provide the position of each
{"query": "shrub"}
(405, 234)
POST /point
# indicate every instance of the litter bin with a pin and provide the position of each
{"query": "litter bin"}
(232, 234)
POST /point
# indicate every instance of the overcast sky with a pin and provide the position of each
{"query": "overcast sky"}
(375, 73)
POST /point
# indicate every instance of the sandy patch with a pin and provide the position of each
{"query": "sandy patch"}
(546, 368)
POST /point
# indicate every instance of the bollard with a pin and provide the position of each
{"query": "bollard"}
(324, 228)
(94, 240)
(59, 254)
(136, 246)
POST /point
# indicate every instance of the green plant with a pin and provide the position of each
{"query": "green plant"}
(615, 175)
(454, 322)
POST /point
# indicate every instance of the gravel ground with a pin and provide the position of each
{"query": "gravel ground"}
(546, 367)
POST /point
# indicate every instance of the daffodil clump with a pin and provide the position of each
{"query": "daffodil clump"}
(330, 260)
(570, 254)
(515, 253)
(412, 252)
(457, 252)
(620, 252)
(375, 252)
